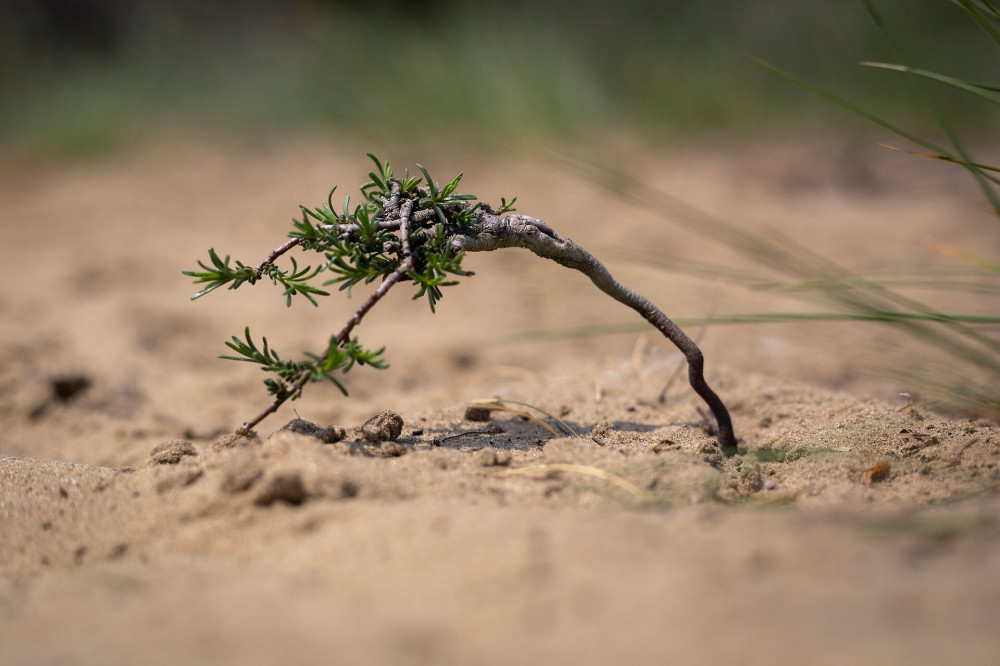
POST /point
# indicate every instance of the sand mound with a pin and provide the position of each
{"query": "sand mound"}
(389, 528)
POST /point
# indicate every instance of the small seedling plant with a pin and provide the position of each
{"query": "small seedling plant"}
(407, 229)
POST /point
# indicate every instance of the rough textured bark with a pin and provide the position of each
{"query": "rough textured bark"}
(493, 233)
(478, 228)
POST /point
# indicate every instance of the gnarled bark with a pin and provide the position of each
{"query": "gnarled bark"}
(493, 233)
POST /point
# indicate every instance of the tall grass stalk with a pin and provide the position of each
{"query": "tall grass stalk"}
(970, 378)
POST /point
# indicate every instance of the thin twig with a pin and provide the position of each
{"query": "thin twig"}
(404, 267)
(496, 405)
(441, 440)
(296, 387)
(275, 253)
(386, 225)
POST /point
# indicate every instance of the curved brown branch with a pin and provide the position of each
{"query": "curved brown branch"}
(420, 216)
(494, 233)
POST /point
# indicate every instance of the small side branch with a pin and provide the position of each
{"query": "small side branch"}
(275, 253)
(346, 229)
(397, 233)
(296, 388)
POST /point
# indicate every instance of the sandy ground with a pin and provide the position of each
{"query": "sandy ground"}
(850, 529)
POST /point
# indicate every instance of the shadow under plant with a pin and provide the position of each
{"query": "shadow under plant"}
(860, 454)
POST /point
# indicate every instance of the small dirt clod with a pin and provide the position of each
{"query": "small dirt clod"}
(491, 458)
(328, 435)
(477, 414)
(385, 426)
(170, 453)
(750, 479)
(232, 440)
(66, 387)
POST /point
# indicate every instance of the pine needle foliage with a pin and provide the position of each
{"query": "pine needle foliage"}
(356, 244)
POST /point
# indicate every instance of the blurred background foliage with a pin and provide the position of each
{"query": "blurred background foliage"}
(83, 75)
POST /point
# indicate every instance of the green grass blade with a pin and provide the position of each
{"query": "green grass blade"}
(853, 108)
(872, 298)
(791, 259)
(984, 6)
(673, 264)
(906, 282)
(988, 192)
(872, 315)
(967, 281)
(981, 13)
(945, 158)
(988, 92)
(885, 316)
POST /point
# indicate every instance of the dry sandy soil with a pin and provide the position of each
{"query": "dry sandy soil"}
(850, 529)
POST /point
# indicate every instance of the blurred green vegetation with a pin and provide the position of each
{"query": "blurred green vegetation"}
(88, 74)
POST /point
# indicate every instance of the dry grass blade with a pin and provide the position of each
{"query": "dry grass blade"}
(960, 254)
(944, 158)
(853, 297)
(500, 405)
(982, 179)
(585, 470)
(638, 352)
(944, 278)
